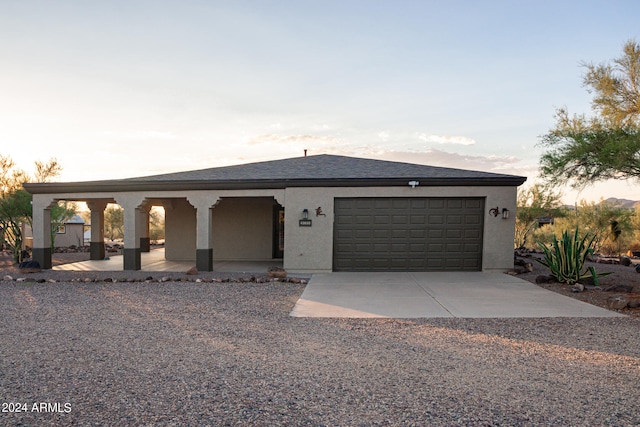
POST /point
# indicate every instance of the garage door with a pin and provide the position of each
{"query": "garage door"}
(408, 234)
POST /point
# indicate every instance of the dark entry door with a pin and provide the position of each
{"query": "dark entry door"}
(278, 231)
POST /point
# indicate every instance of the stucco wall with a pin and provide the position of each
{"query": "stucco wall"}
(310, 249)
(243, 229)
(73, 235)
(180, 230)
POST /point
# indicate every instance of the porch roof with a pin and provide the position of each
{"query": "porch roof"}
(309, 171)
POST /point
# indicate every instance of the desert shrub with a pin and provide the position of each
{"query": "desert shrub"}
(544, 234)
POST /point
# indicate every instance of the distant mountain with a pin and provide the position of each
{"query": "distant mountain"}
(624, 203)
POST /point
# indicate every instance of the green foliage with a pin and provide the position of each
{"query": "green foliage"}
(156, 224)
(114, 222)
(582, 150)
(533, 203)
(582, 154)
(15, 202)
(566, 258)
(60, 213)
(616, 87)
(15, 209)
(596, 219)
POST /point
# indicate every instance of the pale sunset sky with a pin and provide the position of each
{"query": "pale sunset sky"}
(117, 89)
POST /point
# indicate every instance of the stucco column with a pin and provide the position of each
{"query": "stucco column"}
(96, 245)
(143, 226)
(131, 205)
(204, 205)
(41, 225)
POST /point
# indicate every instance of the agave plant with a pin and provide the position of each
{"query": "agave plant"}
(566, 258)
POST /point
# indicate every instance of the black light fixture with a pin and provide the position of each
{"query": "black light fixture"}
(305, 214)
(496, 211)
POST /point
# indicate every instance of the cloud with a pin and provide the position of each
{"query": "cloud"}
(140, 135)
(446, 139)
(289, 139)
(510, 165)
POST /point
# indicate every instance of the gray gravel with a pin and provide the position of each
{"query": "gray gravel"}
(177, 353)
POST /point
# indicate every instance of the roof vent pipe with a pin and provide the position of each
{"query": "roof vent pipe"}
(305, 152)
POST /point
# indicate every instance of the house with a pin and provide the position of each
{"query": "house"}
(69, 233)
(318, 213)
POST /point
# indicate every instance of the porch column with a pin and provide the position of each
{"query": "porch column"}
(41, 251)
(143, 225)
(131, 205)
(96, 245)
(204, 205)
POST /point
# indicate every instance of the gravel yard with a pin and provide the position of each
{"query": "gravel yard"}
(186, 353)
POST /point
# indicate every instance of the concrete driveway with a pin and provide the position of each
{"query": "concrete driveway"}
(435, 294)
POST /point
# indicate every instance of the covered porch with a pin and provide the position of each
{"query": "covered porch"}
(207, 229)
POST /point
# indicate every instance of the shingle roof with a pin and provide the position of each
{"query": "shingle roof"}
(317, 171)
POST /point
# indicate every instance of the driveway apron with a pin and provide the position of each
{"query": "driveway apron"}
(433, 295)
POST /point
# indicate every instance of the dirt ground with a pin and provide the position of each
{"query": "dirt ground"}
(596, 295)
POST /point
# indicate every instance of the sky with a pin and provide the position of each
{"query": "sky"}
(116, 89)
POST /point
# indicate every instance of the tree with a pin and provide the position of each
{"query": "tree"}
(607, 223)
(156, 224)
(533, 203)
(114, 222)
(584, 149)
(15, 202)
(60, 213)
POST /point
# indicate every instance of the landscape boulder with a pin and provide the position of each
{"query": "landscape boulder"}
(617, 302)
(619, 287)
(545, 279)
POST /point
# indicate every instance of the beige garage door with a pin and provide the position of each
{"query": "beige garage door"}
(408, 234)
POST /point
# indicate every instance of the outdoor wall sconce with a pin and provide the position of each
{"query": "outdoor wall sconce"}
(496, 211)
(305, 221)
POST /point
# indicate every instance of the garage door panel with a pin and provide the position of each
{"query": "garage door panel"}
(436, 219)
(381, 219)
(381, 233)
(399, 219)
(362, 233)
(477, 204)
(453, 234)
(435, 203)
(420, 234)
(400, 234)
(363, 219)
(435, 233)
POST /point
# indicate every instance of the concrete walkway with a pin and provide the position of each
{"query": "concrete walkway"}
(155, 261)
(435, 294)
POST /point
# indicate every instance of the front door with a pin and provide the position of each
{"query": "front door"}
(278, 231)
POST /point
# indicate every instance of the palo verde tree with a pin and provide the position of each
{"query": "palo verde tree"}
(581, 149)
(60, 213)
(533, 203)
(15, 202)
(114, 222)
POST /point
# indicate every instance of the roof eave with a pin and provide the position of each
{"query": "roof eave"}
(152, 185)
